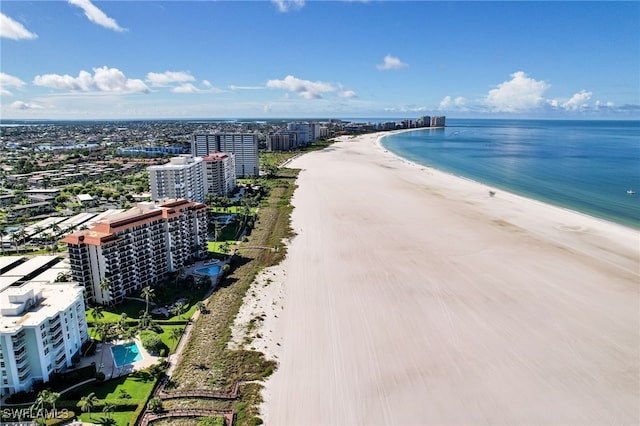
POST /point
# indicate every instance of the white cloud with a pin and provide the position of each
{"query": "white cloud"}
(577, 101)
(190, 88)
(348, 94)
(234, 87)
(103, 80)
(96, 15)
(9, 81)
(186, 88)
(287, 5)
(168, 77)
(449, 104)
(25, 106)
(305, 88)
(391, 63)
(14, 30)
(519, 94)
(606, 105)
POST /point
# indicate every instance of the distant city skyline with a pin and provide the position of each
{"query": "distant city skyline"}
(82, 59)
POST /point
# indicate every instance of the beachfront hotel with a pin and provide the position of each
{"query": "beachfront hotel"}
(220, 170)
(42, 327)
(243, 145)
(125, 252)
(181, 177)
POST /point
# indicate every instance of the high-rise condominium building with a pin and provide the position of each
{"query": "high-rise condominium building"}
(42, 327)
(243, 145)
(282, 141)
(125, 252)
(182, 177)
(220, 172)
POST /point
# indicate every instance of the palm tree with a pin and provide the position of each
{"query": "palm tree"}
(97, 313)
(145, 320)
(47, 397)
(86, 403)
(147, 293)
(3, 233)
(36, 232)
(55, 231)
(105, 287)
(179, 275)
(63, 277)
(108, 409)
(103, 329)
(122, 323)
(178, 309)
(176, 334)
(15, 237)
(21, 235)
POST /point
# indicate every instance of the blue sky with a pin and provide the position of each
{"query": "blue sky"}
(85, 59)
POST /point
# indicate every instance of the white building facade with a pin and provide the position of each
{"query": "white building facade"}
(126, 252)
(182, 177)
(42, 328)
(221, 173)
(243, 145)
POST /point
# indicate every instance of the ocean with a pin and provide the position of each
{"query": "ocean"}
(585, 166)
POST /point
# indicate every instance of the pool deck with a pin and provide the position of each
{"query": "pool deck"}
(103, 359)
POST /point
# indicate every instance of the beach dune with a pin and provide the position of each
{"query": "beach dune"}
(414, 297)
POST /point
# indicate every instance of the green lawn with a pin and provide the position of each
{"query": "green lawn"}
(215, 246)
(118, 418)
(166, 336)
(137, 385)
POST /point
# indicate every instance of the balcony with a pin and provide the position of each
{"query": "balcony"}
(24, 373)
(53, 330)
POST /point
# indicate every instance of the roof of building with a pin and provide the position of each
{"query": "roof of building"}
(216, 156)
(35, 302)
(105, 231)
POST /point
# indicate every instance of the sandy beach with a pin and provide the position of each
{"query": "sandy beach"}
(410, 296)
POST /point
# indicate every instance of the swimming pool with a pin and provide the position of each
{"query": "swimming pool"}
(125, 354)
(211, 270)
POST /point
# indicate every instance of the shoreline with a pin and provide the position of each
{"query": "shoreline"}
(530, 196)
(410, 295)
(380, 146)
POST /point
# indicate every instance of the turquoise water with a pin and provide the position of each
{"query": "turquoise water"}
(209, 270)
(125, 354)
(586, 166)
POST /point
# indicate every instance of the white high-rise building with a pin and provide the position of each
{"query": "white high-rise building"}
(42, 327)
(306, 132)
(182, 177)
(243, 145)
(221, 173)
(128, 251)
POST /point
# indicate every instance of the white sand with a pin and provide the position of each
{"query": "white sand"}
(413, 297)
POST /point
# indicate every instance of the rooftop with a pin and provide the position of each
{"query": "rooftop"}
(33, 302)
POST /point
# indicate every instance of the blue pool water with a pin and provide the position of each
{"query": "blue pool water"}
(125, 354)
(209, 270)
(586, 166)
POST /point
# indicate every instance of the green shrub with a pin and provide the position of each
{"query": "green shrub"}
(151, 341)
(210, 421)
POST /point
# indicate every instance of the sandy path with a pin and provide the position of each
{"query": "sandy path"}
(412, 297)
